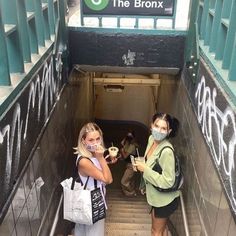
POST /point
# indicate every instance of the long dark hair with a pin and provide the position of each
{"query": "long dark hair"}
(172, 122)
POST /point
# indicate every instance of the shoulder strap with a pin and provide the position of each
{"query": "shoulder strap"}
(77, 177)
(162, 151)
(79, 159)
(165, 148)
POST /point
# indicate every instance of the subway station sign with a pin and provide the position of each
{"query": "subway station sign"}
(129, 7)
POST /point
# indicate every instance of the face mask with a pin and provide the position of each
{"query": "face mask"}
(158, 136)
(93, 147)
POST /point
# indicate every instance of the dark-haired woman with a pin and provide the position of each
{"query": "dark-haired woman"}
(163, 204)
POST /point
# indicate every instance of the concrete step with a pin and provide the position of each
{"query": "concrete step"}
(129, 203)
(122, 206)
(132, 211)
(125, 232)
(128, 226)
(130, 200)
(128, 212)
(132, 233)
(129, 220)
(122, 196)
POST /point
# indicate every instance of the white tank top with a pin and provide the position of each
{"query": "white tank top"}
(90, 184)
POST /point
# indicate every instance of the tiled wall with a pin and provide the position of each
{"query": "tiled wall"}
(33, 206)
(208, 211)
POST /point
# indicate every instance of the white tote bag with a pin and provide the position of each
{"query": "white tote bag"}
(81, 205)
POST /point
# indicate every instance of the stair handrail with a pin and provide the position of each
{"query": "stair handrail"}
(55, 221)
(183, 211)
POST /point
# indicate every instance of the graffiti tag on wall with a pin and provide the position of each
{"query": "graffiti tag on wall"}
(21, 126)
(129, 58)
(218, 123)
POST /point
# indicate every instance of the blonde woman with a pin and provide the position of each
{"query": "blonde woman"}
(91, 146)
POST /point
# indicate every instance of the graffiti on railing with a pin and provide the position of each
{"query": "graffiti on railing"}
(219, 128)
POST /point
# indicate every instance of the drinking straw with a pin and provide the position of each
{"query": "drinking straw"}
(137, 152)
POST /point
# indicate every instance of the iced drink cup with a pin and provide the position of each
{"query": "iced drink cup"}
(133, 162)
(141, 159)
(113, 151)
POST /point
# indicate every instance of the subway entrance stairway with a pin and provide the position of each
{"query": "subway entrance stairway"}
(129, 216)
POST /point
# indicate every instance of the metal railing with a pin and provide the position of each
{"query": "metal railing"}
(183, 211)
(54, 224)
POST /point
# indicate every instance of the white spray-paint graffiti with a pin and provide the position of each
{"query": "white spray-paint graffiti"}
(223, 142)
(129, 58)
(47, 89)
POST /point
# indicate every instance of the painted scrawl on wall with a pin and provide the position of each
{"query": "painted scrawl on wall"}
(22, 124)
(218, 124)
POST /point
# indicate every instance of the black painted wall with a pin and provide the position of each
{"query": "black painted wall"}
(126, 49)
(22, 125)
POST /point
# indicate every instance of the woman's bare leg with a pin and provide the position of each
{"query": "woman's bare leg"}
(159, 226)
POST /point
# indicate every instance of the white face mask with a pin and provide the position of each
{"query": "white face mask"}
(158, 136)
(92, 147)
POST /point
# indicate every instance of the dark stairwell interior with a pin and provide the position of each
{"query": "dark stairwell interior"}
(116, 113)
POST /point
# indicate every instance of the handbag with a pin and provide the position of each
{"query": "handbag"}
(82, 205)
(179, 178)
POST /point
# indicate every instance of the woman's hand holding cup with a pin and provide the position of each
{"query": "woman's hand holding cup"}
(140, 159)
(140, 163)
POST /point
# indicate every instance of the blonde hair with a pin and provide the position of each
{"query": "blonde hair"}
(87, 128)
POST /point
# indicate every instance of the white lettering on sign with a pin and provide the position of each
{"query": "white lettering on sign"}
(138, 4)
(148, 4)
(121, 3)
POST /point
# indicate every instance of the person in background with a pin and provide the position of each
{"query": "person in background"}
(162, 204)
(128, 179)
(91, 162)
